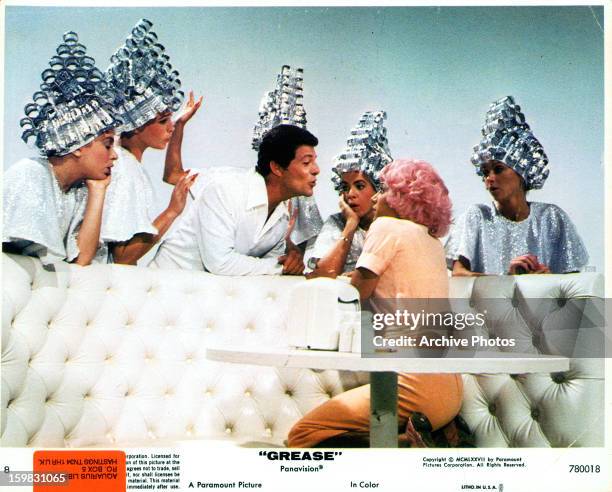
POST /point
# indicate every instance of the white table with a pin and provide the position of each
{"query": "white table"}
(383, 378)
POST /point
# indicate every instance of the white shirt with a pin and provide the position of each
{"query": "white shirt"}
(225, 230)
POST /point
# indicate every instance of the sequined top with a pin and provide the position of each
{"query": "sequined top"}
(39, 218)
(320, 246)
(490, 241)
(129, 202)
(308, 221)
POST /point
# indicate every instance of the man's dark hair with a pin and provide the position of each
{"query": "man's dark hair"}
(279, 145)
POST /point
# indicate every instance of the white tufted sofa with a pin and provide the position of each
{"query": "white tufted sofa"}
(115, 355)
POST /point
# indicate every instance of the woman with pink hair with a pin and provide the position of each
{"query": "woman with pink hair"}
(402, 258)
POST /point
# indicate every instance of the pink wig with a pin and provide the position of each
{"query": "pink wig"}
(417, 193)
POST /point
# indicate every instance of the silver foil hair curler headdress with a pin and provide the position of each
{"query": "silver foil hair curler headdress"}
(283, 105)
(143, 78)
(507, 138)
(73, 105)
(367, 150)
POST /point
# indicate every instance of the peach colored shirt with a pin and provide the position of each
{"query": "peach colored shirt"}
(410, 264)
(409, 261)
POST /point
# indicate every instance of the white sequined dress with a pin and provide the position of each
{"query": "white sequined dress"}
(39, 218)
(129, 203)
(490, 241)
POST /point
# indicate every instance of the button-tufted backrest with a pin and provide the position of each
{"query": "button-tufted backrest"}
(535, 410)
(113, 354)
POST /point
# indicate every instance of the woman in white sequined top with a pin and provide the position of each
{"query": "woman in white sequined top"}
(513, 236)
(148, 94)
(127, 224)
(52, 208)
(355, 176)
(52, 205)
(337, 247)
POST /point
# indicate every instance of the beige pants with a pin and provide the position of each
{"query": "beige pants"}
(438, 396)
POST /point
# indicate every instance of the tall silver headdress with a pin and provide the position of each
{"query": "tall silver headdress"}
(74, 104)
(507, 138)
(283, 105)
(367, 149)
(143, 78)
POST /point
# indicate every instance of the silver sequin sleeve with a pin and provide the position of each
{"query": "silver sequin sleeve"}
(489, 241)
(320, 246)
(308, 222)
(39, 218)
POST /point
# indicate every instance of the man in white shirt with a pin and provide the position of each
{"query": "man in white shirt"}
(239, 223)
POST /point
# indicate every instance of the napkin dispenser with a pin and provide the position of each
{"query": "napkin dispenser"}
(320, 311)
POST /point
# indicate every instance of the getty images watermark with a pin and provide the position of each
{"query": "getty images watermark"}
(466, 327)
(408, 322)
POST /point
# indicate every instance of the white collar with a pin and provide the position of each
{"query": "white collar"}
(258, 194)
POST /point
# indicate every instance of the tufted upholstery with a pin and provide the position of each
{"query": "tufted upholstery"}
(535, 410)
(110, 354)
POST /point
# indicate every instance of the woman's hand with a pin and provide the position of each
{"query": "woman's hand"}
(191, 108)
(173, 166)
(98, 184)
(332, 264)
(526, 264)
(351, 217)
(461, 268)
(129, 252)
(88, 236)
(179, 194)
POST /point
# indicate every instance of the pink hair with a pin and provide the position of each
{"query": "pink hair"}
(417, 193)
